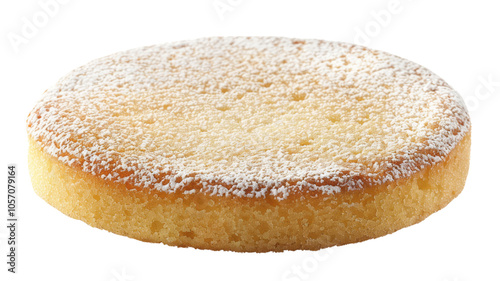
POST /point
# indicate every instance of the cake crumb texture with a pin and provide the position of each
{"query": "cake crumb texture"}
(246, 224)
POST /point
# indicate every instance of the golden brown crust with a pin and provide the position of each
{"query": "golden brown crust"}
(283, 144)
(249, 224)
(250, 117)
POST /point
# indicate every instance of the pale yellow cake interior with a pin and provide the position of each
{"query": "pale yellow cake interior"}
(250, 143)
(242, 224)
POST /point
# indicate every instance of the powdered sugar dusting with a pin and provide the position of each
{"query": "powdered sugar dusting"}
(250, 117)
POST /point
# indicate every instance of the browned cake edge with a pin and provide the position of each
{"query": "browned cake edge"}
(248, 224)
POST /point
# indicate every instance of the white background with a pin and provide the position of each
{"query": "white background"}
(458, 40)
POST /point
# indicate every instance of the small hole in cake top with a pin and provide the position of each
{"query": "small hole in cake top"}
(334, 118)
(299, 96)
(305, 142)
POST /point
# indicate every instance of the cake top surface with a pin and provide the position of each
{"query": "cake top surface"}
(250, 117)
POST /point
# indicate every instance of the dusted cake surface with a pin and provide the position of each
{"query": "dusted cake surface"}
(250, 117)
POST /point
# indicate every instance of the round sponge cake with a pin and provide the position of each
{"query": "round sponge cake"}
(250, 143)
